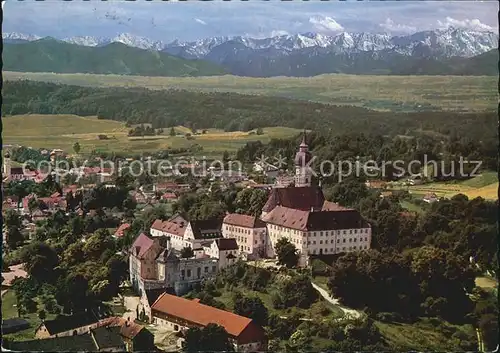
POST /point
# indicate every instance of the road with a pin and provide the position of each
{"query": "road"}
(348, 312)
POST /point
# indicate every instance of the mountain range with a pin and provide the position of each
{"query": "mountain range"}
(429, 52)
(50, 55)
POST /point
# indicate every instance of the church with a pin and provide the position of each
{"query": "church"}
(314, 225)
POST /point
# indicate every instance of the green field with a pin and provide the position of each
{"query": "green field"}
(484, 185)
(62, 131)
(427, 335)
(9, 311)
(391, 93)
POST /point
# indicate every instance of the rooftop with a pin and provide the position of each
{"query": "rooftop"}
(315, 221)
(242, 220)
(200, 314)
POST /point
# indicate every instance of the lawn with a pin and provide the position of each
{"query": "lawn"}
(427, 335)
(62, 131)
(389, 93)
(9, 310)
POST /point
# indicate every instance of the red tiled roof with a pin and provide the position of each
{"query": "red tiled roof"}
(128, 329)
(170, 227)
(239, 327)
(121, 229)
(141, 245)
(242, 220)
(226, 244)
(313, 221)
(332, 206)
(169, 195)
(301, 198)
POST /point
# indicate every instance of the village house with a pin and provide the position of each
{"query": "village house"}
(223, 249)
(193, 234)
(179, 314)
(430, 197)
(250, 233)
(120, 230)
(112, 334)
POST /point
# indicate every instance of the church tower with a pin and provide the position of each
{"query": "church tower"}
(303, 174)
(6, 166)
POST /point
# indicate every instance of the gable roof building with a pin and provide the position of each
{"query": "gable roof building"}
(303, 198)
(243, 220)
(185, 313)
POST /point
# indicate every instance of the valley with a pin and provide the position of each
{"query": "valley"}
(375, 92)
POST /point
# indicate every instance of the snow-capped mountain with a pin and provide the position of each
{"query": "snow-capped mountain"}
(309, 54)
(125, 38)
(18, 37)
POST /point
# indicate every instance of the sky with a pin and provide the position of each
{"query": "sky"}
(191, 20)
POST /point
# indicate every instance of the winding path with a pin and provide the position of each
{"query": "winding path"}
(351, 313)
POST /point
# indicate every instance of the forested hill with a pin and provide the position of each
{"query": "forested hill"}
(231, 111)
(50, 55)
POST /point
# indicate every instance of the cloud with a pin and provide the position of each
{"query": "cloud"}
(390, 26)
(474, 24)
(279, 32)
(200, 21)
(325, 24)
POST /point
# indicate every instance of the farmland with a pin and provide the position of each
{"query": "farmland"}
(484, 185)
(62, 131)
(384, 93)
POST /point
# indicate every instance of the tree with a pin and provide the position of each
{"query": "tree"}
(76, 147)
(172, 131)
(287, 253)
(260, 131)
(251, 307)
(187, 252)
(42, 315)
(211, 338)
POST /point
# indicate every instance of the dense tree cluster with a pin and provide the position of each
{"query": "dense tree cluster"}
(176, 107)
(425, 281)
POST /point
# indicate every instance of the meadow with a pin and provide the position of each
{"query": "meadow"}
(384, 93)
(62, 131)
(485, 185)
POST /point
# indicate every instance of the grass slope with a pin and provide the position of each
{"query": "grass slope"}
(50, 55)
(389, 93)
(62, 131)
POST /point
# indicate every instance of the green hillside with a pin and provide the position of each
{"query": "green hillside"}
(50, 55)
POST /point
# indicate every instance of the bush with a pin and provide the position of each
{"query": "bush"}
(388, 317)
(103, 137)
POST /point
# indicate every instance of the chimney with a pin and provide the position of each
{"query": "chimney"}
(167, 243)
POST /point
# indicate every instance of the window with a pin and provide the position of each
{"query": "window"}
(355, 231)
(255, 242)
(350, 240)
(321, 241)
(206, 269)
(314, 242)
(343, 240)
(321, 234)
(331, 241)
(176, 328)
(344, 232)
(189, 273)
(350, 231)
(355, 239)
(183, 273)
(331, 249)
(338, 241)
(213, 268)
(308, 242)
(326, 250)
